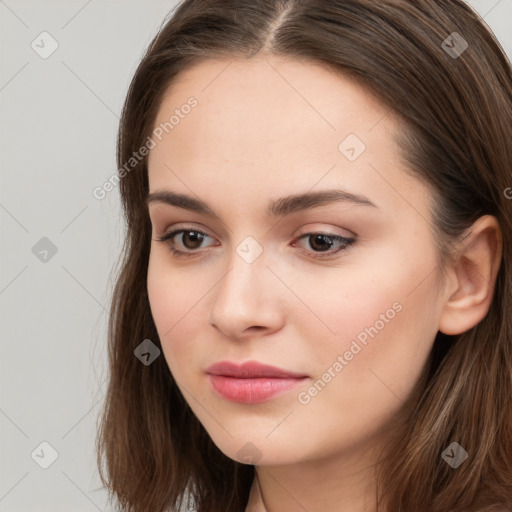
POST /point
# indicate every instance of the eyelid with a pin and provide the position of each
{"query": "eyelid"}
(346, 242)
(302, 231)
(312, 229)
(168, 234)
(182, 226)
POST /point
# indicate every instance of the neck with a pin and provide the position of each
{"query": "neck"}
(336, 483)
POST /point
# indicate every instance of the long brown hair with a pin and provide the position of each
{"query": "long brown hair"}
(456, 113)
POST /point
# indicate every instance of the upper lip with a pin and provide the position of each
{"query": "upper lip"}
(251, 369)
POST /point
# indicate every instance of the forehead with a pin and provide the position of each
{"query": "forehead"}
(280, 103)
(266, 123)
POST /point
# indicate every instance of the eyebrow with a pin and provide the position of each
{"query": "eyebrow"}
(276, 208)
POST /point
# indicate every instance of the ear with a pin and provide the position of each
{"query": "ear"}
(473, 277)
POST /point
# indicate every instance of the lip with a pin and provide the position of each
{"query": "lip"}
(251, 369)
(251, 382)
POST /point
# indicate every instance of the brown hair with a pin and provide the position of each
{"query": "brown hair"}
(456, 114)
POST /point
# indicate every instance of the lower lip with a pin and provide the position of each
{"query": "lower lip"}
(252, 391)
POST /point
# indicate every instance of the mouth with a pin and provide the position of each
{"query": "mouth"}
(252, 382)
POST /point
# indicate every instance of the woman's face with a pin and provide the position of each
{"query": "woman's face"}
(256, 281)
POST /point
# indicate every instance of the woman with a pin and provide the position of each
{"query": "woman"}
(312, 308)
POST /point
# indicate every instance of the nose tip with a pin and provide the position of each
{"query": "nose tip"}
(243, 303)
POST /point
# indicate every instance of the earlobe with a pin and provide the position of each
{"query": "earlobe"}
(475, 271)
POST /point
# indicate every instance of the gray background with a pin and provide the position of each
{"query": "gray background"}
(59, 118)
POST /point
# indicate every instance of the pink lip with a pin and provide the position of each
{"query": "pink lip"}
(251, 382)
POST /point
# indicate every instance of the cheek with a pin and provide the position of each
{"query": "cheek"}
(362, 392)
(174, 305)
(339, 305)
(379, 317)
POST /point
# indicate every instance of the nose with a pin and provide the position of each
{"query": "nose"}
(246, 301)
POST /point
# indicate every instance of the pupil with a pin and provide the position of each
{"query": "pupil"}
(321, 238)
(196, 239)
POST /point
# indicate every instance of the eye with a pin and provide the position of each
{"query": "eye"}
(323, 242)
(191, 239)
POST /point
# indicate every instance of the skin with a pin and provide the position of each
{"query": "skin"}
(263, 129)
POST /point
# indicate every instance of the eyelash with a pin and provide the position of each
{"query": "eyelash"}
(167, 240)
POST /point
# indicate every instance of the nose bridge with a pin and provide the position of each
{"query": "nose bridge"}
(246, 268)
(243, 296)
